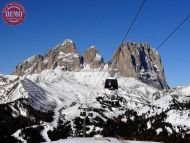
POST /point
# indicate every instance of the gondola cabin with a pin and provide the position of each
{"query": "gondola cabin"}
(83, 114)
(90, 115)
(111, 86)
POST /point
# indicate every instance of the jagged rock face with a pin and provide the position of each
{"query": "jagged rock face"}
(140, 61)
(136, 60)
(92, 57)
(29, 66)
(64, 55)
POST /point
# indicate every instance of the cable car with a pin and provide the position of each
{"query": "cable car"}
(111, 86)
(82, 114)
(90, 115)
(115, 103)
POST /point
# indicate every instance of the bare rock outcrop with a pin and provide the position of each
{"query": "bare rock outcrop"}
(140, 61)
(29, 66)
(64, 55)
(131, 59)
(93, 58)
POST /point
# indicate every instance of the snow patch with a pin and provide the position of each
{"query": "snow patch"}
(66, 41)
(98, 57)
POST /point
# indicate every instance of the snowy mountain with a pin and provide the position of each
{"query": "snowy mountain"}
(137, 60)
(51, 93)
(44, 102)
(51, 101)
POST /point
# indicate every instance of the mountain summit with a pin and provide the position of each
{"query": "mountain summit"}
(140, 61)
(131, 59)
(46, 100)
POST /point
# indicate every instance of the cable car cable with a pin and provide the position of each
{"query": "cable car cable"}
(137, 14)
(132, 23)
(129, 29)
(173, 32)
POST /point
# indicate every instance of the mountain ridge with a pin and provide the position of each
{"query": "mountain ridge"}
(47, 101)
(131, 59)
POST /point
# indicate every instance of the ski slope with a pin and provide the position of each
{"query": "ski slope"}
(64, 93)
(98, 140)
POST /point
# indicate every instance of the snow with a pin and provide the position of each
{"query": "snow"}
(157, 68)
(92, 47)
(139, 142)
(45, 61)
(67, 57)
(124, 119)
(66, 41)
(44, 133)
(65, 92)
(10, 88)
(149, 125)
(98, 57)
(185, 91)
(91, 128)
(158, 131)
(31, 59)
(23, 112)
(162, 102)
(98, 140)
(15, 113)
(169, 130)
(88, 140)
(9, 77)
(17, 135)
(177, 117)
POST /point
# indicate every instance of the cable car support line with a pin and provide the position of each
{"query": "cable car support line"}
(173, 32)
(114, 83)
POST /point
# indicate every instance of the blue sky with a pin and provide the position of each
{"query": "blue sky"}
(102, 23)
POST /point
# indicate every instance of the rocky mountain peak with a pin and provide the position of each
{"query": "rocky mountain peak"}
(131, 59)
(93, 57)
(65, 55)
(140, 61)
(29, 65)
(68, 46)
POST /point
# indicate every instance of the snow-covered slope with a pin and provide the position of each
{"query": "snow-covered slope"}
(64, 93)
(88, 140)
(98, 140)
(70, 90)
(175, 108)
(52, 102)
(9, 88)
(68, 87)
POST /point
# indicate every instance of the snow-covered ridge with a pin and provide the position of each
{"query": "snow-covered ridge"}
(175, 105)
(73, 86)
(93, 46)
(31, 59)
(66, 41)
